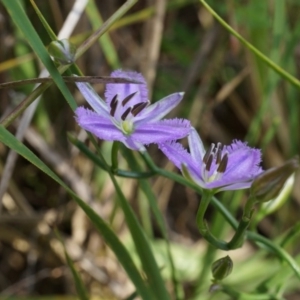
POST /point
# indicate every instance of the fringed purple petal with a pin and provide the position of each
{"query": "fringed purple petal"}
(223, 184)
(179, 156)
(93, 98)
(131, 144)
(100, 126)
(196, 146)
(125, 89)
(243, 162)
(162, 131)
(159, 109)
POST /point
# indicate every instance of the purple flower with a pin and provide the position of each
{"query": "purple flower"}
(127, 116)
(230, 167)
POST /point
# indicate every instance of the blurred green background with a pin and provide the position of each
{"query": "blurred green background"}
(229, 94)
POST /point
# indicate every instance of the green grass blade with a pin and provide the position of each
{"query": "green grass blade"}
(43, 21)
(142, 246)
(141, 242)
(284, 74)
(109, 236)
(79, 285)
(105, 41)
(152, 201)
(21, 20)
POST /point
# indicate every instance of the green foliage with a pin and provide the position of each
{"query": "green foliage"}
(158, 246)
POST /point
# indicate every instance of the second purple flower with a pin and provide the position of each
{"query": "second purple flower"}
(220, 168)
(127, 116)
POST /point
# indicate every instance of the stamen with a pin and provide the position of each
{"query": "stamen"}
(219, 156)
(209, 162)
(113, 106)
(129, 97)
(113, 100)
(137, 108)
(223, 164)
(208, 153)
(125, 114)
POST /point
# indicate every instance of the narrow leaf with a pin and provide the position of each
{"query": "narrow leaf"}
(79, 285)
(108, 235)
(20, 18)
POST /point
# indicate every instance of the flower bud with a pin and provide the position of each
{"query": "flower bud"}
(62, 51)
(222, 267)
(271, 206)
(268, 185)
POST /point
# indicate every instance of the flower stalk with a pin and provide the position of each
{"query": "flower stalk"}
(202, 224)
(240, 234)
(114, 156)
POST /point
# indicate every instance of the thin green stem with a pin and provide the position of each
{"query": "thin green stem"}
(141, 242)
(291, 235)
(293, 80)
(24, 104)
(281, 253)
(240, 234)
(243, 296)
(106, 25)
(44, 22)
(114, 156)
(145, 187)
(95, 158)
(202, 225)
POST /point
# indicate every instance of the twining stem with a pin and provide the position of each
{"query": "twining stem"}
(202, 225)
(239, 236)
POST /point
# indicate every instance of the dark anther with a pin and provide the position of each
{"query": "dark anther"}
(223, 164)
(126, 99)
(114, 100)
(209, 162)
(219, 156)
(113, 106)
(125, 114)
(138, 107)
(208, 152)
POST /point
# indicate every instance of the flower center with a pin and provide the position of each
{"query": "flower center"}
(127, 127)
(123, 115)
(215, 163)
